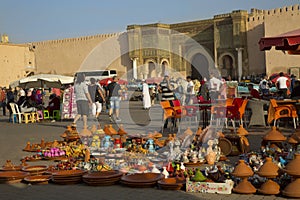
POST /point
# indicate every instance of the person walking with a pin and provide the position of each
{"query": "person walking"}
(97, 97)
(83, 99)
(190, 91)
(146, 96)
(114, 94)
(264, 86)
(214, 87)
(10, 98)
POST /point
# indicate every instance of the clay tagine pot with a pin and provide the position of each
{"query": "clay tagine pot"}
(269, 188)
(121, 130)
(242, 131)
(242, 170)
(85, 132)
(274, 135)
(111, 130)
(244, 187)
(269, 169)
(292, 168)
(28, 147)
(93, 128)
(292, 190)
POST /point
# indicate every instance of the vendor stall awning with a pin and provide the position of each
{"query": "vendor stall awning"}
(287, 41)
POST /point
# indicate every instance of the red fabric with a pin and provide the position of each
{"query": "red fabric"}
(254, 93)
(285, 41)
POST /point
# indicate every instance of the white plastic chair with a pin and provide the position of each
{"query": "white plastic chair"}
(16, 113)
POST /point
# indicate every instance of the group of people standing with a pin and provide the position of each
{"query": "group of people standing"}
(94, 95)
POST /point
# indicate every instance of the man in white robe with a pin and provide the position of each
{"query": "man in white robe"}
(146, 96)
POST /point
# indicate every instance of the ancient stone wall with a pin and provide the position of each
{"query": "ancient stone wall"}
(267, 23)
(15, 62)
(65, 56)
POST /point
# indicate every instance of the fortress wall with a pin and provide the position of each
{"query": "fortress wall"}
(65, 56)
(13, 62)
(267, 23)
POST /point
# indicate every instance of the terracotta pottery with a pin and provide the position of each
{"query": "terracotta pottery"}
(28, 147)
(293, 139)
(292, 168)
(171, 183)
(274, 135)
(244, 187)
(188, 131)
(38, 179)
(157, 135)
(210, 158)
(85, 132)
(102, 178)
(269, 169)
(242, 170)
(292, 190)
(43, 145)
(12, 176)
(35, 170)
(141, 180)
(112, 130)
(93, 129)
(269, 188)
(121, 130)
(199, 131)
(242, 131)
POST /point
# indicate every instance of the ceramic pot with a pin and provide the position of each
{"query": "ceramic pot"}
(269, 169)
(244, 187)
(210, 158)
(121, 130)
(274, 135)
(242, 170)
(269, 188)
(292, 190)
(242, 131)
(292, 168)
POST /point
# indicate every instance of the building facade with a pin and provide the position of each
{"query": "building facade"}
(226, 42)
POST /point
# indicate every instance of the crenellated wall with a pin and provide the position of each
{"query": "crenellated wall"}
(65, 56)
(267, 23)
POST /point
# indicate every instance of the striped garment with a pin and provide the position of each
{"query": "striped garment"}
(167, 93)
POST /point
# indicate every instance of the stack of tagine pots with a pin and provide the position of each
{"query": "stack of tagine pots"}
(293, 169)
(242, 170)
(269, 170)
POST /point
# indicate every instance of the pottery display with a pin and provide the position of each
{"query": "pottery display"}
(121, 130)
(141, 180)
(274, 135)
(12, 176)
(65, 177)
(38, 179)
(269, 188)
(242, 131)
(244, 187)
(268, 169)
(171, 183)
(292, 189)
(242, 170)
(292, 168)
(35, 170)
(102, 178)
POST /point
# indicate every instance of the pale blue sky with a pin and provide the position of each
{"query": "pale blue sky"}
(36, 20)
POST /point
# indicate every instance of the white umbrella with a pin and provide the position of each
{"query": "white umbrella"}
(43, 81)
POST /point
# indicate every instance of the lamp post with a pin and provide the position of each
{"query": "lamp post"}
(240, 63)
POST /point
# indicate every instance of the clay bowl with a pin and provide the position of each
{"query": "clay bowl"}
(141, 180)
(36, 169)
(102, 178)
(171, 183)
(12, 176)
(13, 168)
(66, 177)
(38, 179)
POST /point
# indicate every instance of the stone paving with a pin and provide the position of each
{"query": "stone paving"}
(13, 138)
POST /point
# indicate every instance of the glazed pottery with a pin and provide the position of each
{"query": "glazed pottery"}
(268, 169)
(12, 176)
(244, 187)
(242, 170)
(38, 179)
(274, 135)
(269, 188)
(292, 168)
(242, 131)
(292, 190)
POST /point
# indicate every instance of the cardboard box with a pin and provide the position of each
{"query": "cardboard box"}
(209, 187)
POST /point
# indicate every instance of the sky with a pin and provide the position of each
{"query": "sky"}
(37, 20)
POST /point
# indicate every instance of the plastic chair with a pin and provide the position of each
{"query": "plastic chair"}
(16, 117)
(168, 112)
(46, 114)
(23, 117)
(56, 114)
(40, 115)
(276, 112)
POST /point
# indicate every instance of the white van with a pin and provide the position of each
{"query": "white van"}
(98, 74)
